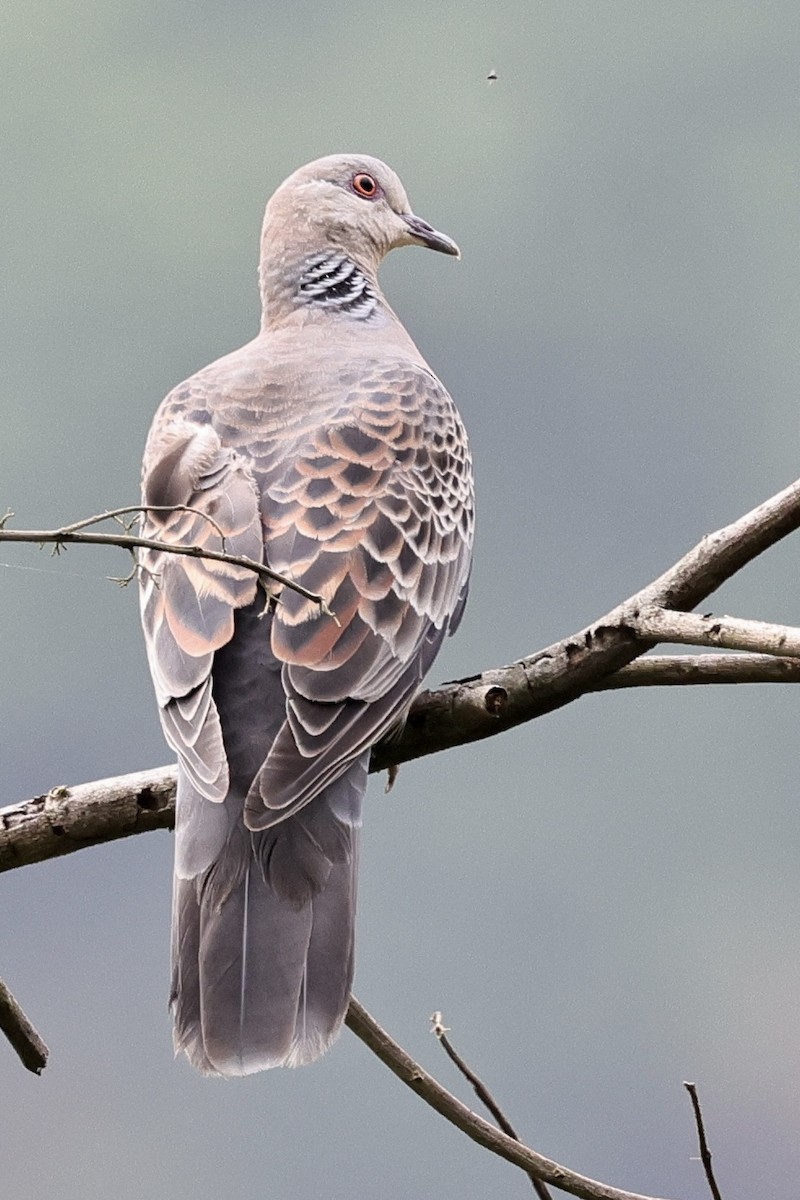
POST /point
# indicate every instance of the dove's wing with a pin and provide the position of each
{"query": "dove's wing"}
(372, 511)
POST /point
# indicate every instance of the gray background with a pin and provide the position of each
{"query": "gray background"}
(604, 903)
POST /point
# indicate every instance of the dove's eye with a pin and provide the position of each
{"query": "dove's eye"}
(365, 185)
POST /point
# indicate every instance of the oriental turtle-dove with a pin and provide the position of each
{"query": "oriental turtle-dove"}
(327, 449)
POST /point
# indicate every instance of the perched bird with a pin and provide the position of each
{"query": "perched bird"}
(327, 449)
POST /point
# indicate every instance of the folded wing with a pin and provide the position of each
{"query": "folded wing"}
(197, 493)
(372, 511)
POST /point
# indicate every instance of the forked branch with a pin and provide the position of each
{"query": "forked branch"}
(485, 1134)
(600, 657)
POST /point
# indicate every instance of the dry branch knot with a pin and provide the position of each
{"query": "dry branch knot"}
(495, 700)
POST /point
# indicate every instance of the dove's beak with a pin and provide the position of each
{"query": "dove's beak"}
(425, 235)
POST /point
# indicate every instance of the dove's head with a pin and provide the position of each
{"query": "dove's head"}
(350, 203)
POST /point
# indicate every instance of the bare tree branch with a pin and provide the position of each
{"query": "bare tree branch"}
(594, 659)
(705, 1153)
(417, 1078)
(71, 818)
(441, 1031)
(133, 510)
(470, 709)
(670, 670)
(732, 633)
(481, 706)
(29, 1047)
(76, 534)
(68, 819)
(598, 657)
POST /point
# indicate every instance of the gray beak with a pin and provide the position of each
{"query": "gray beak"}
(426, 235)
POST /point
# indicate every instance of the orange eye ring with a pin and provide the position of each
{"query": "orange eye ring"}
(364, 185)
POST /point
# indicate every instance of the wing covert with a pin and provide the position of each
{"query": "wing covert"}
(373, 511)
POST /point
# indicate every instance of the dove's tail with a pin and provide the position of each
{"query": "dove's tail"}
(262, 938)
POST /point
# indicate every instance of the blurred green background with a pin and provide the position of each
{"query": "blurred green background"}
(604, 903)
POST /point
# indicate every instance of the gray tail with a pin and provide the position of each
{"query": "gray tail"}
(263, 935)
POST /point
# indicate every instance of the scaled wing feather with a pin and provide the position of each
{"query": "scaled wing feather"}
(378, 505)
(197, 494)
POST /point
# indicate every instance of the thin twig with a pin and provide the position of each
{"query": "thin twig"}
(441, 1031)
(705, 1153)
(485, 1134)
(114, 513)
(127, 541)
(29, 1047)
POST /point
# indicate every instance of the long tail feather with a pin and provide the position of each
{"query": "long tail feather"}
(263, 937)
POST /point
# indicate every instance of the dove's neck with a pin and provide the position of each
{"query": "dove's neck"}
(327, 282)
